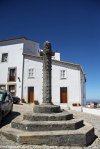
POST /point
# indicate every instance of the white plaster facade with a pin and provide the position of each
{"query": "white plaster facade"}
(23, 54)
(15, 49)
(72, 81)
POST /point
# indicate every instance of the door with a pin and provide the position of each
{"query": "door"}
(63, 94)
(30, 94)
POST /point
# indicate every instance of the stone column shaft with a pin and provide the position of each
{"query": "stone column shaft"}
(47, 66)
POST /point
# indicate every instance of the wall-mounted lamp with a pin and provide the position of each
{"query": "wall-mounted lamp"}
(19, 79)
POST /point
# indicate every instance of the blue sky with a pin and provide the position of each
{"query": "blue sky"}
(72, 26)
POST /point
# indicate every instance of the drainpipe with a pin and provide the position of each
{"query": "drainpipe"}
(22, 78)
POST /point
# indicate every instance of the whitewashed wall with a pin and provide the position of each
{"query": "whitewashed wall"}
(35, 82)
(56, 56)
(72, 82)
(91, 111)
(15, 59)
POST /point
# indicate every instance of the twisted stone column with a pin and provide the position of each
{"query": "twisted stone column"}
(47, 106)
(47, 67)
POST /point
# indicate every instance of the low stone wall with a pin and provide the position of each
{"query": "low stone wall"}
(91, 111)
(95, 111)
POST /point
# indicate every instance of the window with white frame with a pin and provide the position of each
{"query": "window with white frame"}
(31, 73)
(63, 74)
(4, 57)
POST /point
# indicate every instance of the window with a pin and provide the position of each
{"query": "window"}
(4, 57)
(63, 74)
(12, 74)
(31, 73)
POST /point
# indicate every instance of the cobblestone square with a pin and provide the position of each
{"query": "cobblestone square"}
(23, 108)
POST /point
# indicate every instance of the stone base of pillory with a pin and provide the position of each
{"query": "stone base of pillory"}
(55, 129)
(46, 108)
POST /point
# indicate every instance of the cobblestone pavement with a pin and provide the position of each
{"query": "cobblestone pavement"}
(22, 108)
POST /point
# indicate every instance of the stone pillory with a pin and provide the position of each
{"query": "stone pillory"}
(47, 67)
(46, 106)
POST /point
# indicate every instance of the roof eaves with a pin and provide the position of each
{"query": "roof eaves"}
(17, 38)
(15, 41)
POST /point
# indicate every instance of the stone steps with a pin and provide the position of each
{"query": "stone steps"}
(80, 137)
(57, 129)
(48, 117)
(26, 125)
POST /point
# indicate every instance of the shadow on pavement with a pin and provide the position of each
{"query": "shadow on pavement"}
(17, 103)
(7, 119)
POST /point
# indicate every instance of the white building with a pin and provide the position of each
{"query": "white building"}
(21, 73)
(68, 81)
(11, 62)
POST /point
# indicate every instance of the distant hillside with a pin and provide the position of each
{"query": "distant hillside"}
(93, 100)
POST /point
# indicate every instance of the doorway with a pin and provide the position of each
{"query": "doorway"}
(12, 89)
(63, 94)
(30, 94)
